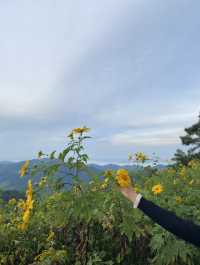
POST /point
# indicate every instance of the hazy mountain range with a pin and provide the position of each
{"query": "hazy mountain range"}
(11, 180)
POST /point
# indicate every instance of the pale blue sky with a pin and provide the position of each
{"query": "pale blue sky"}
(127, 69)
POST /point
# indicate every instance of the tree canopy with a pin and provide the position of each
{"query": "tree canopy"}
(191, 139)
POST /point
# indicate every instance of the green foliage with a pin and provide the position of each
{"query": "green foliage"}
(92, 223)
(191, 139)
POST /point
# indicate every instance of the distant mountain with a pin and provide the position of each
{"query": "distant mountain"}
(6, 162)
(10, 179)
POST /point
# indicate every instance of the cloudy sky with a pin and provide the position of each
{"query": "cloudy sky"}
(128, 69)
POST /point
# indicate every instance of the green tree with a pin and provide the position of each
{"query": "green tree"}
(191, 139)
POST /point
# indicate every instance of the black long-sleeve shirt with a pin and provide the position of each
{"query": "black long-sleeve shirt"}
(183, 229)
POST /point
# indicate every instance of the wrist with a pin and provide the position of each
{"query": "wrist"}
(133, 196)
(137, 201)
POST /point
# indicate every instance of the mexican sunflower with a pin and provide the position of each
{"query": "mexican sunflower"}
(157, 189)
(28, 206)
(24, 168)
(122, 178)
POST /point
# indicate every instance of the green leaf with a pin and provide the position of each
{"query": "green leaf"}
(52, 155)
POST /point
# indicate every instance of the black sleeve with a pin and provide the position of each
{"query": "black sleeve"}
(181, 228)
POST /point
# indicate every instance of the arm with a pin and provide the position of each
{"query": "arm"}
(182, 228)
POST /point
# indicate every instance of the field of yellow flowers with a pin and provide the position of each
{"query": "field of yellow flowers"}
(92, 223)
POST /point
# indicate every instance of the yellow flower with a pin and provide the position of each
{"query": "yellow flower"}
(28, 206)
(77, 130)
(157, 189)
(81, 130)
(178, 199)
(24, 168)
(123, 178)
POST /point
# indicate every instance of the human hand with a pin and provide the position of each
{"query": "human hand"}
(129, 193)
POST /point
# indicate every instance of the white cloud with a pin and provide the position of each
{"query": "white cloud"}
(41, 43)
(19, 101)
(131, 116)
(112, 65)
(160, 137)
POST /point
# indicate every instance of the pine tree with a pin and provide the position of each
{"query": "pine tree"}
(192, 139)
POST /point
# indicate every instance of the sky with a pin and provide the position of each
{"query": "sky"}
(127, 69)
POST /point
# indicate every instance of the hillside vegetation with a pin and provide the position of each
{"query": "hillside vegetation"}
(92, 223)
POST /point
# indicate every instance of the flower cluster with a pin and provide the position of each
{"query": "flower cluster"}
(27, 206)
(24, 168)
(141, 157)
(138, 157)
(122, 178)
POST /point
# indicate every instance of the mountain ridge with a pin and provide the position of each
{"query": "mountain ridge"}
(11, 180)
